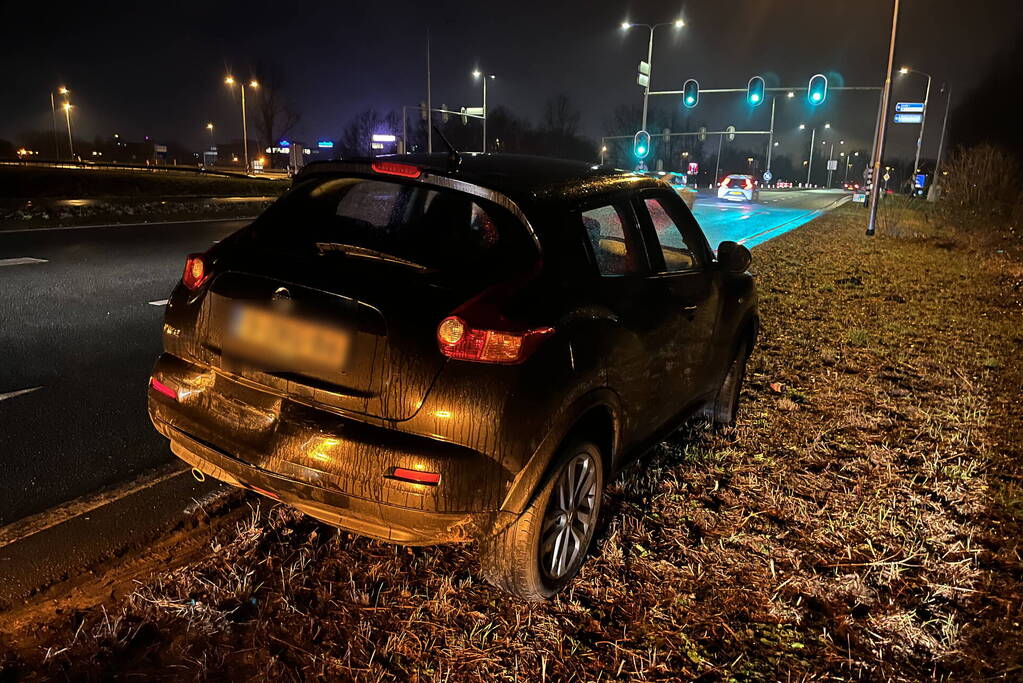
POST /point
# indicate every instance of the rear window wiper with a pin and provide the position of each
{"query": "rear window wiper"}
(363, 252)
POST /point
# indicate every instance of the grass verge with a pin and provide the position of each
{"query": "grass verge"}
(862, 522)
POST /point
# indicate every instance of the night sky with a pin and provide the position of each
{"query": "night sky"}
(146, 68)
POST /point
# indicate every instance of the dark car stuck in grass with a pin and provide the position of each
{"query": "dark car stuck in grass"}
(433, 348)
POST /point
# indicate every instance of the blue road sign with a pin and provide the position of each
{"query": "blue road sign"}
(910, 107)
(909, 118)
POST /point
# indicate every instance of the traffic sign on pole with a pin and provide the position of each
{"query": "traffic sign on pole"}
(909, 118)
(767, 176)
(910, 107)
(832, 164)
(731, 133)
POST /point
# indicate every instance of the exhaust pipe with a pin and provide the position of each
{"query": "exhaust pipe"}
(198, 474)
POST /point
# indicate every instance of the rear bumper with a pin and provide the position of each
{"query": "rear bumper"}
(336, 468)
(405, 526)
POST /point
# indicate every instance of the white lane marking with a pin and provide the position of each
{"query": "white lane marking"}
(30, 526)
(19, 392)
(22, 261)
(129, 225)
(159, 302)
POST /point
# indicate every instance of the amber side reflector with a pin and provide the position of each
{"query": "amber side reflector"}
(415, 476)
(162, 388)
(391, 168)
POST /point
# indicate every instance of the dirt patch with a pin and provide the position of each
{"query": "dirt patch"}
(862, 521)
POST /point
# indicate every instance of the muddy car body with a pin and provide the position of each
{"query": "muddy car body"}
(508, 333)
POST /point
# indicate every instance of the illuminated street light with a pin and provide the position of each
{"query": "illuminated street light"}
(923, 119)
(790, 94)
(802, 126)
(229, 80)
(70, 140)
(625, 25)
(479, 75)
(53, 111)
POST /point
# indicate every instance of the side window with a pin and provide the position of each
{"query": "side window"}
(678, 256)
(615, 253)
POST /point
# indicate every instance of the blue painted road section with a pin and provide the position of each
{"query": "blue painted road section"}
(752, 223)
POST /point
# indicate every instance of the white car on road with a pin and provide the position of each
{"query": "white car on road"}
(739, 188)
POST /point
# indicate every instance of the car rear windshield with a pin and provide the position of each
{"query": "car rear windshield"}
(422, 226)
(737, 182)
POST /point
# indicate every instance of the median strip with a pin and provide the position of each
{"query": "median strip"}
(19, 392)
(22, 261)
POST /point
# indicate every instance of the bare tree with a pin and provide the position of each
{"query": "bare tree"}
(274, 115)
(561, 117)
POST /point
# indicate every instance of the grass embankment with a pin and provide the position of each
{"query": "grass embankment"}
(32, 197)
(862, 521)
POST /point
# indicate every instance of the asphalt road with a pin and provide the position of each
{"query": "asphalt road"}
(80, 316)
(78, 330)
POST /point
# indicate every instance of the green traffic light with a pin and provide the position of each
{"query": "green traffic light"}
(641, 150)
(754, 97)
(689, 99)
(816, 96)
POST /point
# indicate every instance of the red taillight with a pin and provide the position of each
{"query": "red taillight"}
(749, 184)
(724, 183)
(162, 388)
(391, 168)
(415, 476)
(458, 340)
(196, 272)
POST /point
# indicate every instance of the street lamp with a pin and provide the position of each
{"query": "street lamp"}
(678, 23)
(53, 111)
(813, 137)
(479, 75)
(923, 119)
(229, 80)
(70, 141)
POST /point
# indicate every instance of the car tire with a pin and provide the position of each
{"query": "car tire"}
(541, 552)
(724, 407)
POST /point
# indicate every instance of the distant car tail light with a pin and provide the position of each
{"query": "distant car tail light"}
(392, 168)
(162, 388)
(749, 184)
(458, 340)
(196, 272)
(416, 476)
(724, 183)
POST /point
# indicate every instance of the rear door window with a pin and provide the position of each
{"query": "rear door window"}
(420, 225)
(613, 240)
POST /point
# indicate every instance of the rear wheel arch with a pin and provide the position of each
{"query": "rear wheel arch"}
(594, 418)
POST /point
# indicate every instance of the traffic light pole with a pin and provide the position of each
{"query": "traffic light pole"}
(770, 137)
(882, 126)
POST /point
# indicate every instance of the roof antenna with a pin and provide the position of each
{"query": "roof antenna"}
(454, 158)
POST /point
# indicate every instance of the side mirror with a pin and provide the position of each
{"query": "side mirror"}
(734, 257)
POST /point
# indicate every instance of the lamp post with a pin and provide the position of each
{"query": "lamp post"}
(678, 23)
(245, 130)
(931, 193)
(923, 119)
(209, 127)
(70, 140)
(813, 138)
(479, 75)
(53, 111)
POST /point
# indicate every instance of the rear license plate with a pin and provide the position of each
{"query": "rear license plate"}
(287, 341)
